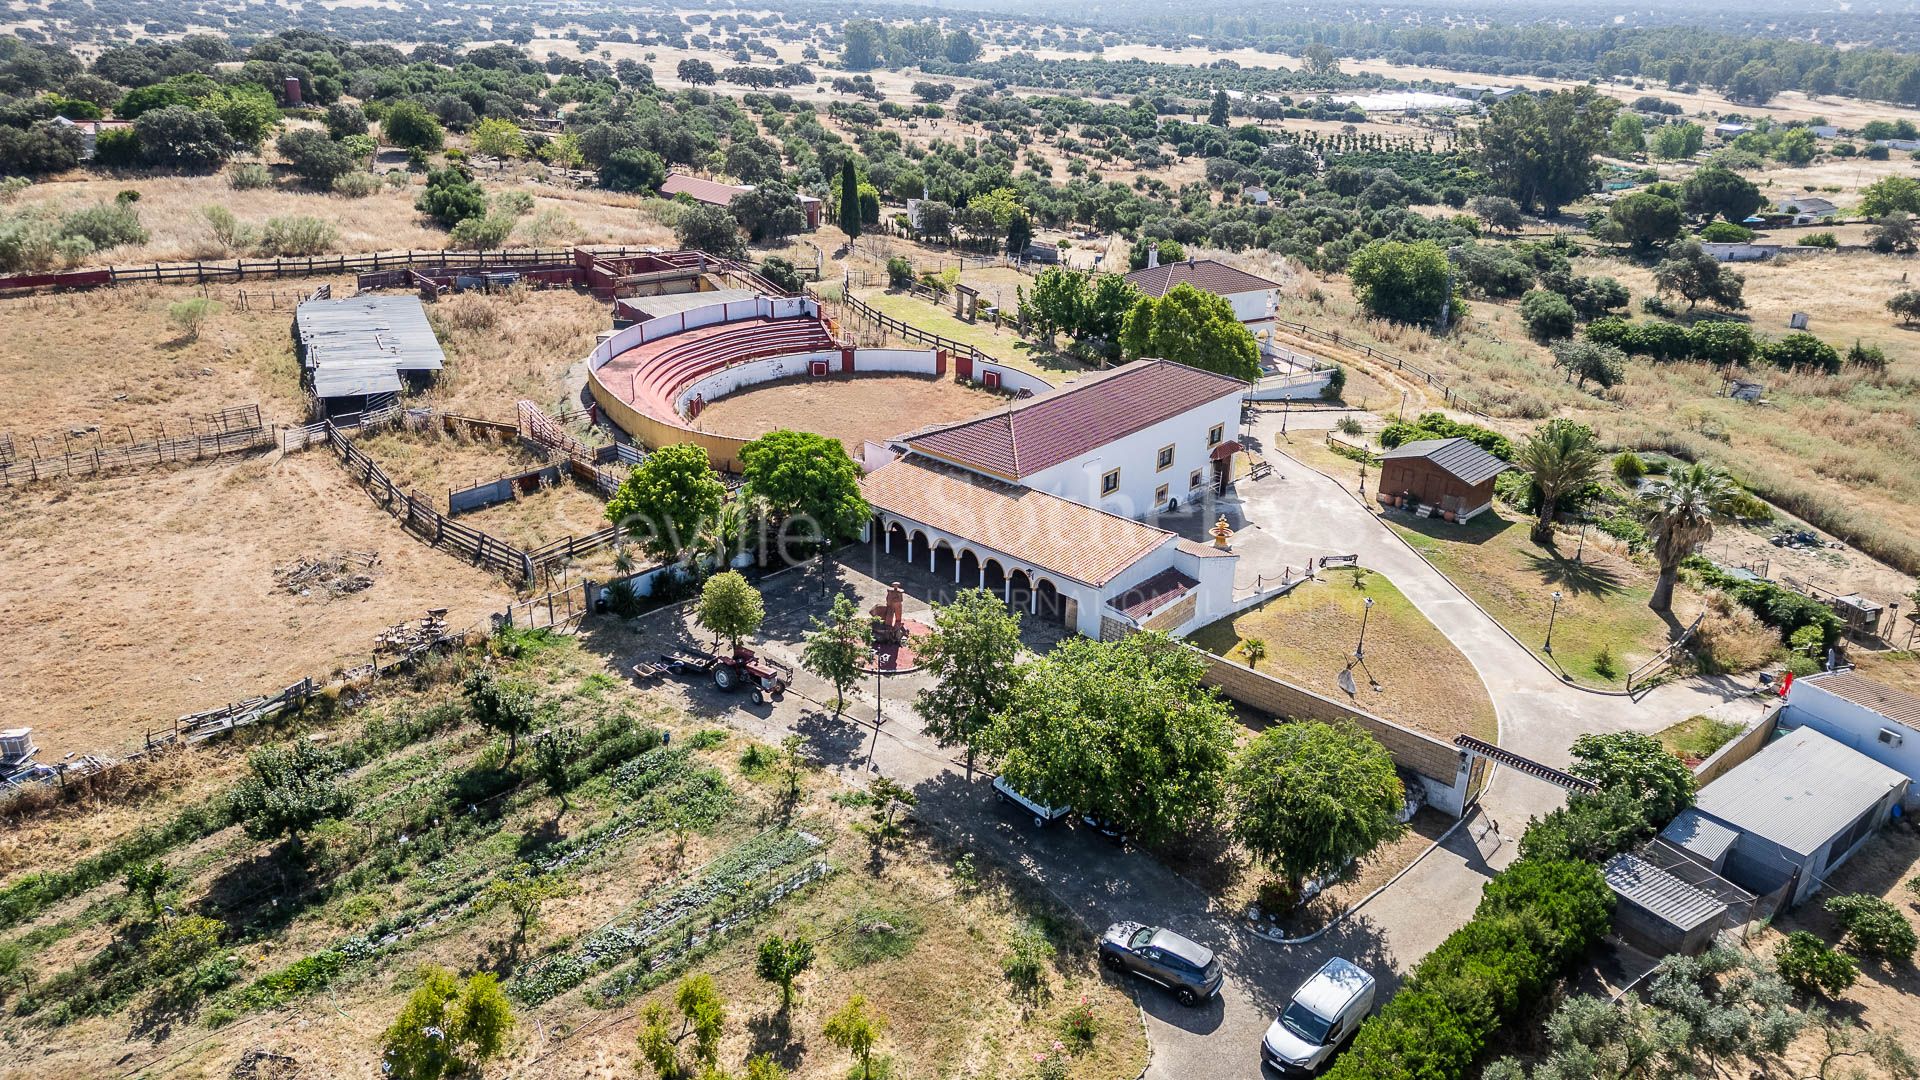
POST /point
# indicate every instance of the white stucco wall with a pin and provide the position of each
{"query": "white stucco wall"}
(1255, 306)
(1136, 456)
(1012, 379)
(1852, 725)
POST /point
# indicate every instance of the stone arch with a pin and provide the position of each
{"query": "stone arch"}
(1047, 602)
(942, 560)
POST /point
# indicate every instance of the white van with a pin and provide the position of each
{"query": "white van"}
(1324, 1013)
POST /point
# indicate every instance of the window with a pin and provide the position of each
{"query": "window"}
(1166, 459)
(1160, 495)
(1110, 483)
(1215, 434)
(1193, 480)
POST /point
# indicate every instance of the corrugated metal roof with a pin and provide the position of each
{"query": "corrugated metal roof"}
(1799, 792)
(1458, 456)
(1652, 889)
(1082, 416)
(1207, 275)
(1896, 705)
(1701, 836)
(361, 344)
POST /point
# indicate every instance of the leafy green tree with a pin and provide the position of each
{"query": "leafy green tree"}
(712, 229)
(553, 757)
(316, 159)
(1255, 650)
(768, 212)
(1567, 900)
(1547, 315)
(1563, 457)
(343, 119)
(1717, 189)
(182, 138)
(705, 1013)
(409, 125)
(863, 45)
(849, 199)
(1308, 798)
(1906, 305)
(1191, 327)
(1692, 274)
(1169, 251)
(1404, 282)
(1108, 302)
(248, 112)
(730, 607)
(1892, 234)
(500, 705)
(800, 477)
(782, 273)
(1873, 928)
(451, 197)
(889, 797)
(972, 656)
(632, 169)
(1812, 966)
(781, 960)
(1057, 301)
(498, 138)
(523, 892)
(287, 791)
(1019, 234)
(1500, 213)
(1640, 763)
(668, 499)
(1540, 149)
(1723, 342)
(696, 72)
(1601, 363)
(856, 1028)
(1674, 142)
(447, 1027)
(1679, 510)
(1628, 137)
(1647, 220)
(1801, 351)
(1124, 729)
(1217, 112)
(838, 646)
(1890, 195)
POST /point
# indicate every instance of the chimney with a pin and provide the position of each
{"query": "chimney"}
(1153, 255)
(290, 88)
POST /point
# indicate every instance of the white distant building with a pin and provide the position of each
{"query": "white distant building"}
(1255, 300)
(1731, 131)
(1898, 144)
(1807, 209)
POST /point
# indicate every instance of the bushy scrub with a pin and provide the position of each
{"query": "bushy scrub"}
(296, 236)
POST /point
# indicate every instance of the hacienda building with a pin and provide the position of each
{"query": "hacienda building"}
(1038, 501)
(715, 193)
(1255, 300)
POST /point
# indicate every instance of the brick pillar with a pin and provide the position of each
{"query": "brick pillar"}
(846, 361)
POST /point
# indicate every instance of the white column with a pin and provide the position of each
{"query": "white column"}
(956, 568)
(933, 556)
(1033, 596)
(889, 542)
(1006, 589)
(983, 575)
(909, 549)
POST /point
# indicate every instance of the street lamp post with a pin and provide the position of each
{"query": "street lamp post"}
(1363, 479)
(1551, 616)
(1286, 410)
(1578, 551)
(1403, 406)
(1360, 649)
(879, 674)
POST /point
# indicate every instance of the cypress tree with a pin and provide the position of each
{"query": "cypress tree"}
(849, 200)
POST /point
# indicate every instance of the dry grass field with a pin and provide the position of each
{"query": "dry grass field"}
(854, 410)
(1310, 635)
(138, 598)
(521, 343)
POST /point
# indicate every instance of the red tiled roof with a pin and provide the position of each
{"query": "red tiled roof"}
(1153, 594)
(699, 190)
(1044, 531)
(1207, 275)
(1063, 424)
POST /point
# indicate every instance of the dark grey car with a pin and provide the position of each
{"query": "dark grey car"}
(1186, 967)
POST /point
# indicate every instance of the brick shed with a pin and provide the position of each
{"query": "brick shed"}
(1452, 476)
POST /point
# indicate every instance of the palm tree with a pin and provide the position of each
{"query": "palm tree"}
(1563, 458)
(1255, 650)
(1679, 511)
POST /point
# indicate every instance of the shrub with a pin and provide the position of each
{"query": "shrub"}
(287, 237)
(1547, 315)
(1726, 232)
(105, 225)
(228, 231)
(1812, 966)
(249, 176)
(1434, 425)
(1820, 240)
(356, 185)
(1874, 928)
(1802, 350)
(451, 197)
(1336, 384)
(512, 204)
(1628, 467)
(899, 271)
(481, 233)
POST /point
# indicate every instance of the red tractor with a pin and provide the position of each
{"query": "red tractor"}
(766, 677)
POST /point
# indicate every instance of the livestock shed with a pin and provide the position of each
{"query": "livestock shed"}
(1451, 476)
(1658, 912)
(1802, 806)
(356, 350)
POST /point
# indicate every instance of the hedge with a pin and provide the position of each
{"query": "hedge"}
(1777, 606)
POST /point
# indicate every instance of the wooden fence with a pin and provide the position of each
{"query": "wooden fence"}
(420, 518)
(911, 332)
(560, 610)
(1664, 657)
(230, 431)
(1399, 364)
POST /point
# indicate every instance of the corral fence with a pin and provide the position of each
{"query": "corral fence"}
(1399, 364)
(230, 431)
(887, 323)
(560, 610)
(201, 272)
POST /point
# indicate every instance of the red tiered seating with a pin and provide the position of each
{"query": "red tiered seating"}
(651, 376)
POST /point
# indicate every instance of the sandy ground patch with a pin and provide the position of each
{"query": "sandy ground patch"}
(854, 410)
(137, 598)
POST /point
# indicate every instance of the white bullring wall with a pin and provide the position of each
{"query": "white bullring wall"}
(760, 307)
(729, 380)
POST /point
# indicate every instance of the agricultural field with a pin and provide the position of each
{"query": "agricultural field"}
(649, 860)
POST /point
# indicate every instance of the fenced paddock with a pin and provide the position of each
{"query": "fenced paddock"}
(233, 430)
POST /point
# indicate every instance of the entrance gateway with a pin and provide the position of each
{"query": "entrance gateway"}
(1480, 757)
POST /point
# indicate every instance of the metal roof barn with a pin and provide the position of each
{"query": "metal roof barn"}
(361, 345)
(1800, 792)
